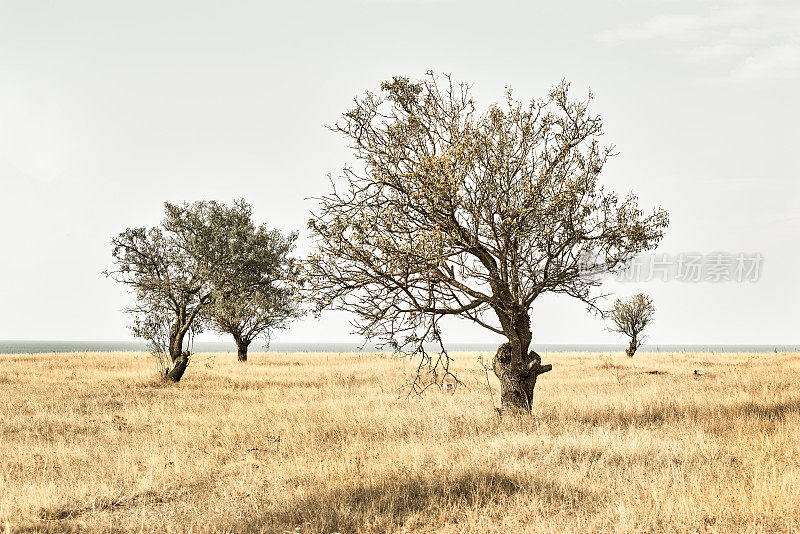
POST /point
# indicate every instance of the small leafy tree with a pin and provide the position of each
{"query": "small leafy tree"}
(173, 270)
(631, 317)
(257, 291)
(452, 213)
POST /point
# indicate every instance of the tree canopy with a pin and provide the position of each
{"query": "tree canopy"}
(257, 293)
(202, 255)
(166, 270)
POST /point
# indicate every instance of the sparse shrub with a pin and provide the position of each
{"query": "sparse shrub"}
(631, 317)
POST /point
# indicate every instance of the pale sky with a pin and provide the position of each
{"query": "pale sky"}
(108, 109)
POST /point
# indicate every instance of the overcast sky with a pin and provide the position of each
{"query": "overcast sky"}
(108, 109)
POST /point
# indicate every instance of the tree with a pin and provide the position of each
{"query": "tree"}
(631, 317)
(451, 213)
(171, 269)
(256, 293)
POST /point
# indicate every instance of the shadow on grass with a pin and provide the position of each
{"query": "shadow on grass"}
(67, 512)
(665, 413)
(773, 412)
(391, 503)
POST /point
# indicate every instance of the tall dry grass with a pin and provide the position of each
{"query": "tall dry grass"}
(96, 442)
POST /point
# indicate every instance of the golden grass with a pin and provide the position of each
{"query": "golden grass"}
(96, 442)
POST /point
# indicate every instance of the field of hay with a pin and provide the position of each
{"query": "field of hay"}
(322, 443)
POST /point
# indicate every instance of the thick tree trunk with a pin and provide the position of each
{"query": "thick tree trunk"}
(241, 347)
(517, 372)
(517, 368)
(175, 342)
(631, 348)
(179, 366)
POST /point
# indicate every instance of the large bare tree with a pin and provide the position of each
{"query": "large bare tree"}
(448, 212)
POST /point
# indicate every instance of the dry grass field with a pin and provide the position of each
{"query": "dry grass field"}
(96, 442)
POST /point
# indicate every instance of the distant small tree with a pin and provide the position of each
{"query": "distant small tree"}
(451, 213)
(256, 292)
(174, 271)
(631, 317)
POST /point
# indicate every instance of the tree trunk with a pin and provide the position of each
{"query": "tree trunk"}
(517, 368)
(241, 346)
(179, 366)
(517, 372)
(175, 342)
(632, 347)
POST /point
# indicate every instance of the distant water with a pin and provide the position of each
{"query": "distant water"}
(34, 347)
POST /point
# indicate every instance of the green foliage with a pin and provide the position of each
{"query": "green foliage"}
(166, 269)
(206, 263)
(256, 291)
